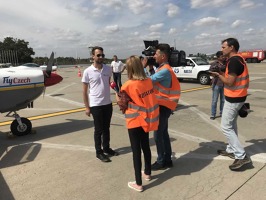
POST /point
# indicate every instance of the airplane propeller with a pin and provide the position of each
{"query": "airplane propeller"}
(50, 64)
(49, 77)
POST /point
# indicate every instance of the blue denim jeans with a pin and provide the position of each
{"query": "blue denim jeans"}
(229, 128)
(216, 92)
(161, 137)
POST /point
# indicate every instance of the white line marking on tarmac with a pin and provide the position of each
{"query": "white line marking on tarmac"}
(67, 101)
(215, 124)
(261, 157)
(256, 90)
(253, 78)
(62, 88)
(202, 115)
(186, 136)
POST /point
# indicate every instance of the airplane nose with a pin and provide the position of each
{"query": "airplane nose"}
(52, 79)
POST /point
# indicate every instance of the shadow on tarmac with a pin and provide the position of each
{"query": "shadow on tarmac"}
(182, 107)
(16, 148)
(5, 191)
(258, 145)
(125, 150)
(188, 164)
(15, 151)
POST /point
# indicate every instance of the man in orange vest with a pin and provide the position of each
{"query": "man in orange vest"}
(167, 91)
(236, 82)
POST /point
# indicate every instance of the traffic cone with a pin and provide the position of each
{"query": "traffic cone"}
(79, 73)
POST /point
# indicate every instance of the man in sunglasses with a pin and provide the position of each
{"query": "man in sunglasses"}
(97, 100)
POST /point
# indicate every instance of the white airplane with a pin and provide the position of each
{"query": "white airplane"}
(19, 87)
(34, 65)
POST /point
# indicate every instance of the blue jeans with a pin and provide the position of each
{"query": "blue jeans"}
(229, 128)
(161, 137)
(216, 92)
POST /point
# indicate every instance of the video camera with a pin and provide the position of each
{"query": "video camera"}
(216, 68)
(177, 58)
(150, 50)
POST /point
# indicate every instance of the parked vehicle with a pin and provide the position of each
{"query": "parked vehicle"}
(196, 68)
(255, 56)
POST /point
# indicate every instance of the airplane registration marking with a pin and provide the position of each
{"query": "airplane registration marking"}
(19, 87)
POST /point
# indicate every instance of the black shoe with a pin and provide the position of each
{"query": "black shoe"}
(157, 166)
(238, 163)
(111, 152)
(212, 118)
(103, 157)
(225, 153)
(168, 164)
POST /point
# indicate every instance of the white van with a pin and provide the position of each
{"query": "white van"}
(196, 68)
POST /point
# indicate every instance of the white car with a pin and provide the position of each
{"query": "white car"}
(196, 68)
(34, 65)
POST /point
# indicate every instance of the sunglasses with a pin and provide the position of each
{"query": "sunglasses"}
(100, 55)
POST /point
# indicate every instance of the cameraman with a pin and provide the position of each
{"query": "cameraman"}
(236, 83)
(167, 92)
(217, 84)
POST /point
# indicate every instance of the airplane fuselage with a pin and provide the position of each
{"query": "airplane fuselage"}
(18, 87)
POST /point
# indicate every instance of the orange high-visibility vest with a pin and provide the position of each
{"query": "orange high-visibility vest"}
(168, 97)
(240, 88)
(143, 111)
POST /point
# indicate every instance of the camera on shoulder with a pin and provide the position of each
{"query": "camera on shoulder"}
(177, 58)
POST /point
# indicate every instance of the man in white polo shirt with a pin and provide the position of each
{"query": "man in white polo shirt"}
(96, 95)
(118, 68)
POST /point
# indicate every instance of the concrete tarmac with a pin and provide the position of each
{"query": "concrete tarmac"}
(57, 161)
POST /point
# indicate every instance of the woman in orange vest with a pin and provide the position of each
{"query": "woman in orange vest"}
(137, 100)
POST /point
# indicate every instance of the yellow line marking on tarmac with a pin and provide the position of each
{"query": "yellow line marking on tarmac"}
(195, 89)
(47, 115)
(83, 109)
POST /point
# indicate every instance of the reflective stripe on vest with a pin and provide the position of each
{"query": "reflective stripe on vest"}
(168, 97)
(140, 108)
(239, 89)
(167, 92)
(143, 110)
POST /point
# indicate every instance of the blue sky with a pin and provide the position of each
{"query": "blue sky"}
(69, 27)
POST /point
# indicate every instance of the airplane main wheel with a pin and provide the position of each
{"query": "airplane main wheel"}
(18, 130)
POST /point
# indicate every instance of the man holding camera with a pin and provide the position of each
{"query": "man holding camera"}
(217, 84)
(236, 83)
(167, 91)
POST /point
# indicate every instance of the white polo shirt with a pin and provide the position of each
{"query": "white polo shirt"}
(117, 66)
(98, 82)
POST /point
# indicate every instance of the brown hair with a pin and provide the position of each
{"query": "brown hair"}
(94, 48)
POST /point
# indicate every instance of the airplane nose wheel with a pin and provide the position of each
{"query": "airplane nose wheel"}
(23, 129)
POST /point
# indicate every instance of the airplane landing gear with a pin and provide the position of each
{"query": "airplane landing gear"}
(20, 126)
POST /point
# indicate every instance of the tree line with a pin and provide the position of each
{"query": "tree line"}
(17, 52)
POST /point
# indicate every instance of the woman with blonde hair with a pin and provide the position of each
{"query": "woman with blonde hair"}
(139, 104)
